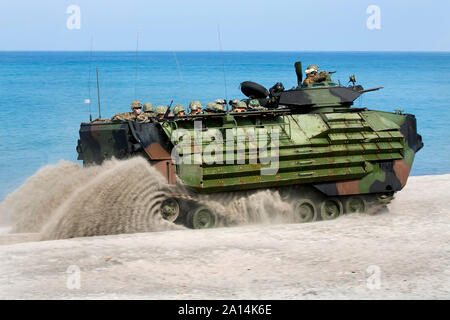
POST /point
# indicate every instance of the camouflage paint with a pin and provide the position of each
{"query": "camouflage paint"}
(123, 139)
(388, 176)
(323, 142)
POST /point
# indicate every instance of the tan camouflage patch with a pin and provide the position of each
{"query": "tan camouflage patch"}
(348, 187)
(402, 170)
(156, 152)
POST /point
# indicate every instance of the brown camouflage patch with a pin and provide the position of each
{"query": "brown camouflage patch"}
(166, 168)
(348, 187)
(156, 152)
(96, 129)
(402, 170)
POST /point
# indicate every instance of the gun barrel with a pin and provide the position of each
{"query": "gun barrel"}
(168, 110)
(370, 90)
(298, 71)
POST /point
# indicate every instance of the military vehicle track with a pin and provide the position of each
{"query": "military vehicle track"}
(307, 205)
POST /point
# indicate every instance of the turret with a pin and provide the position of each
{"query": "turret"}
(320, 94)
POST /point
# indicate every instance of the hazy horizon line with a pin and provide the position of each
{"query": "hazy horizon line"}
(256, 51)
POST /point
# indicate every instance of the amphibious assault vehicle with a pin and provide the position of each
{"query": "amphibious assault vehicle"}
(328, 157)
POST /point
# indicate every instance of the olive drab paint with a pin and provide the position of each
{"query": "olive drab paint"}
(322, 141)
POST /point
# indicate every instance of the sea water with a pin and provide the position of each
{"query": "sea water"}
(42, 94)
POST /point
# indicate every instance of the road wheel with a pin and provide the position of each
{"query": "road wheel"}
(304, 211)
(170, 209)
(355, 204)
(202, 218)
(331, 209)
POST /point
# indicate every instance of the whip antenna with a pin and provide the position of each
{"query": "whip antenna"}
(180, 74)
(89, 81)
(98, 95)
(136, 71)
(223, 63)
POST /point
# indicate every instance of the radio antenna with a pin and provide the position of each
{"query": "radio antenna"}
(98, 96)
(136, 71)
(223, 63)
(89, 80)
(180, 74)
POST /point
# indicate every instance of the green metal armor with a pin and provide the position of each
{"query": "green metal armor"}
(342, 159)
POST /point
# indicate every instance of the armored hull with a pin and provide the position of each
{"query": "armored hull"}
(308, 142)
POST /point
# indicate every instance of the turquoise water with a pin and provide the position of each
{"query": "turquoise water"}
(42, 94)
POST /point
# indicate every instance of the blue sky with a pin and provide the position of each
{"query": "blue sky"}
(279, 25)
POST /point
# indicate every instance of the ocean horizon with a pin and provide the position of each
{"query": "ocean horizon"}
(255, 51)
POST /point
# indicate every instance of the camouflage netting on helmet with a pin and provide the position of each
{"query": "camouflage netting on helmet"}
(178, 108)
(220, 101)
(214, 107)
(234, 102)
(195, 105)
(136, 105)
(148, 107)
(254, 103)
(242, 105)
(312, 68)
(161, 109)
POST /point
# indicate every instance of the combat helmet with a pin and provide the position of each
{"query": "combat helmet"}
(136, 104)
(148, 107)
(254, 104)
(241, 105)
(219, 107)
(177, 109)
(213, 107)
(195, 105)
(160, 110)
(238, 104)
(220, 101)
(312, 68)
(234, 102)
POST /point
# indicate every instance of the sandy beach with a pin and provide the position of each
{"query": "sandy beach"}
(400, 254)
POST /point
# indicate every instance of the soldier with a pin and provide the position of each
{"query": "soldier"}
(215, 107)
(196, 107)
(238, 106)
(254, 105)
(220, 107)
(160, 111)
(147, 115)
(136, 110)
(148, 109)
(211, 107)
(120, 116)
(178, 110)
(233, 102)
(221, 102)
(313, 75)
(136, 107)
